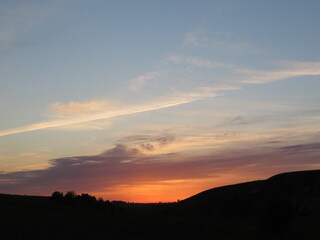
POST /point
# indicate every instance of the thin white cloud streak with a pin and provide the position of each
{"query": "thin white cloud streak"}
(76, 113)
(73, 107)
(137, 83)
(262, 77)
(73, 114)
(314, 66)
(195, 40)
(198, 62)
(251, 76)
(98, 116)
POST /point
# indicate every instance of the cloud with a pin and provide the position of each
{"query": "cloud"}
(150, 142)
(293, 69)
(301, 148)
(239, 75)
(195, 61)
(76, 107)
(128, 110)
(163, 138)
(118, 165)
(238, 121)
(191, 39)
(79, 110)
(123, 165)
(85, 126)
(310, 66)
(137, 83)
(76, 113)
(30, 159)
(147, 146)
(251, 76)
(138, 137)
(227, 45)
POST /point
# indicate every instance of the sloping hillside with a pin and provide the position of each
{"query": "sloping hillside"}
(299, 191)
(285, 206)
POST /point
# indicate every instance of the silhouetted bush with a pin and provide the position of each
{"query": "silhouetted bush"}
(86, 200)
(57, 196)
(70, 197)
(101, 204)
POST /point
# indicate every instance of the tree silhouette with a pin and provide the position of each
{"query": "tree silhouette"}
(70, 197)
(86, 200)
(57, 196)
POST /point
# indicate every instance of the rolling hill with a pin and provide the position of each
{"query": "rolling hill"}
(299, 191)
(285, 206)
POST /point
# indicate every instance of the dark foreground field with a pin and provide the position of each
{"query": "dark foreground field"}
(286, 206)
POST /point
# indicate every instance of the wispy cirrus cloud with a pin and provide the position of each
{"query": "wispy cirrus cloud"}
(137, 83)
(83, 116)
(76, 113)
(198, 61)
(239, 74)
(261, 77)
(307, 66)
(149, 142)
(194, 39)
(301, 148)
(73, 107)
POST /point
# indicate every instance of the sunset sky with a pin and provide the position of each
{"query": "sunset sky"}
(152, 101)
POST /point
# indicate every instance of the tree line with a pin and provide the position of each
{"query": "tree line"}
(85, 200)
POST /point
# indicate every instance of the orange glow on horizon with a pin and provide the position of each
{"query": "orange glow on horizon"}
(168, 191)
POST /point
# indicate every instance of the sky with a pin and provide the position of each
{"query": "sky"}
(148, 101)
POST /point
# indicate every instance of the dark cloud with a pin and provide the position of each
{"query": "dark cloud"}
(238, 121)
(301, 148)
(118, 165)
(134, 138)
(121, 150)
(164, 139)
(273, 142)
(147, 146)
(123, 165)
(150, 142)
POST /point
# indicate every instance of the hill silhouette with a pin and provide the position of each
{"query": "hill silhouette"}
(299, 190)
(285, 206)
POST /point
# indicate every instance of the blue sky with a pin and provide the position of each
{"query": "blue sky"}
(146, 82)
